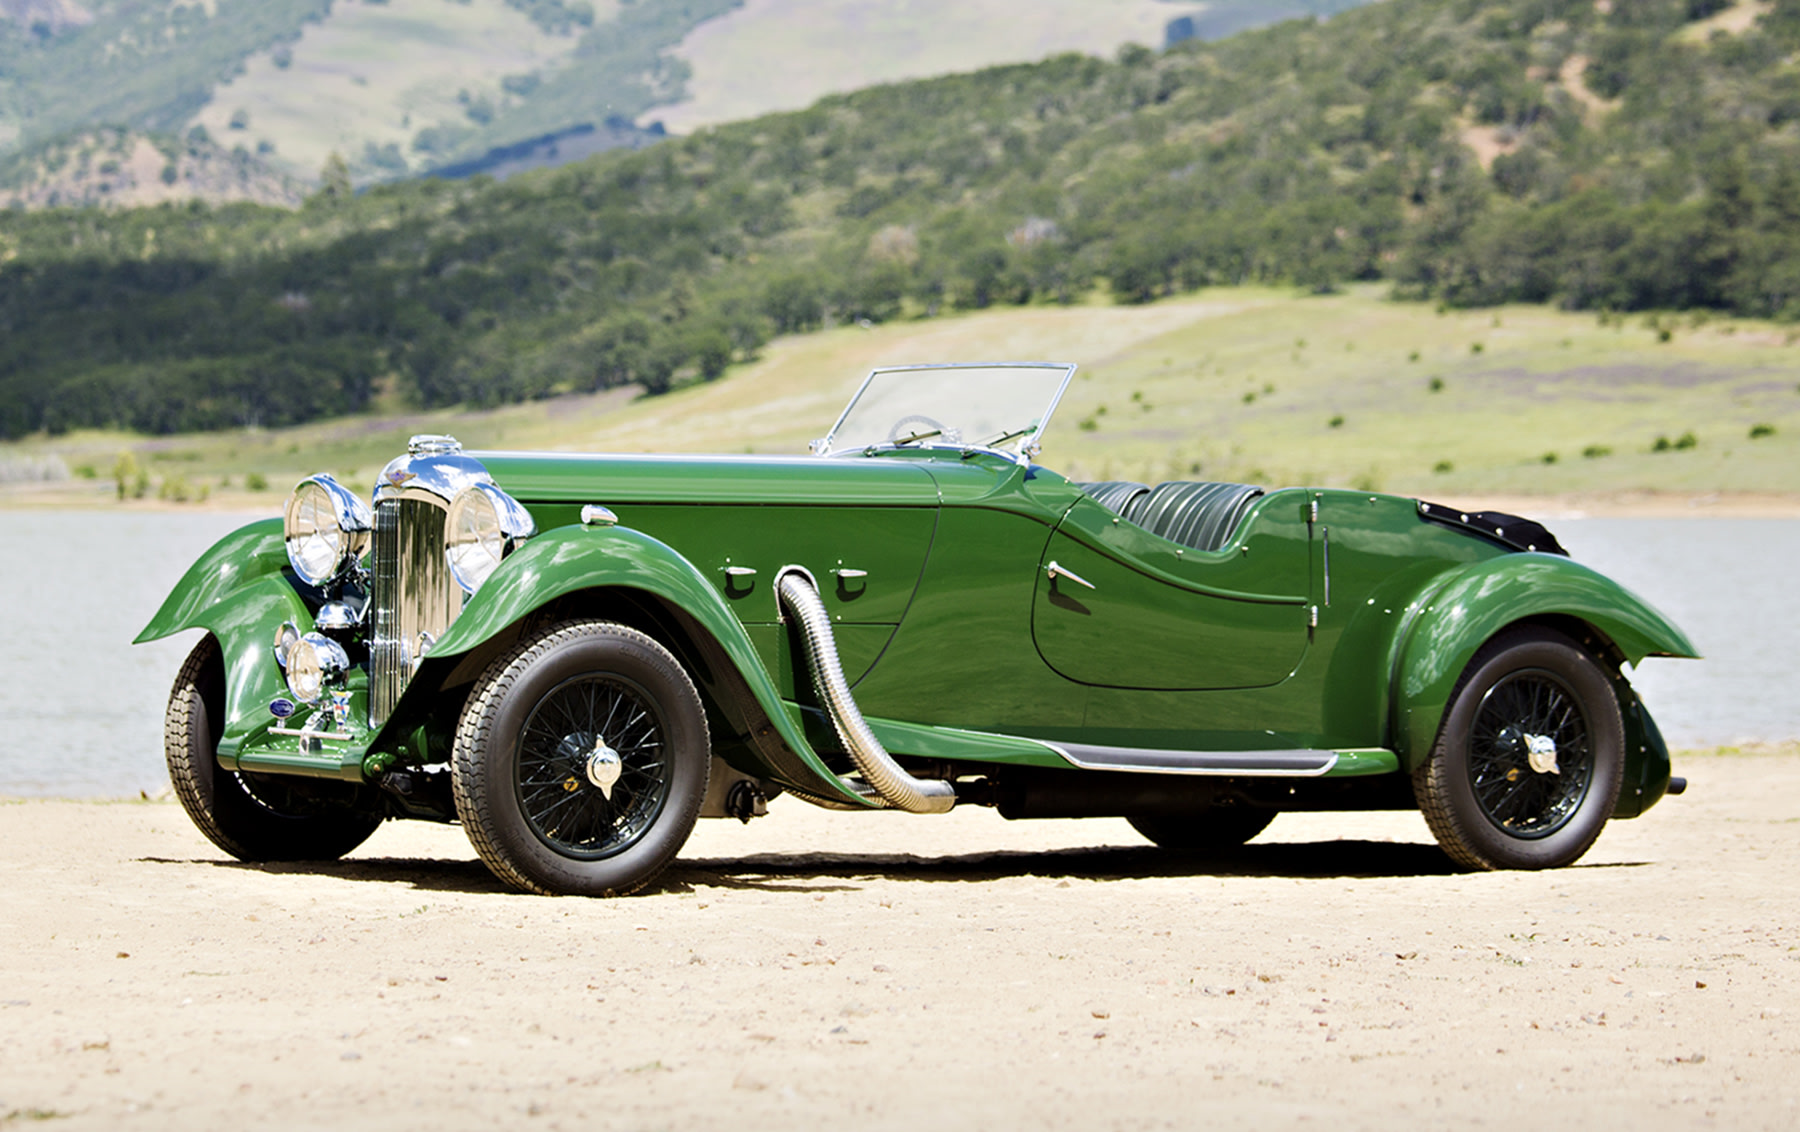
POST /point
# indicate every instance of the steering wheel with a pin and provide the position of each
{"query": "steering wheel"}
(921, 424)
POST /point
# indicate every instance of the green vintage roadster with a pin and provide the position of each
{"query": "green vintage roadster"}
(576, 656)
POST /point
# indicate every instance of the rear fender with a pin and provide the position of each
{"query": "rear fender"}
(1647, 765)
(1477, 601)
(572, 560)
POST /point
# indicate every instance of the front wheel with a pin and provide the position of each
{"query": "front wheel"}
(581, 761)
(254, 817)
(1529, 761)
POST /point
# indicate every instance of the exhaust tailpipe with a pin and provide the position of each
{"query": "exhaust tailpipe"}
(890, 783)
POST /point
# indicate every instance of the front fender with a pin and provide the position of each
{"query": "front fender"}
(572, 559)
(241, 557)
(242, 621)
(1478, 600)
(238, 592)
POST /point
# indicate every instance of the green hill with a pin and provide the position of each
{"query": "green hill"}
(393, 86)
(771, 56)
(397, 87)
(1471, 153)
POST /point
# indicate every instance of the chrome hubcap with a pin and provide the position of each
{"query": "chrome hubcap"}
(604, 768)
(1540, 753)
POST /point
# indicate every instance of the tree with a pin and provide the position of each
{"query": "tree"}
(334, 183)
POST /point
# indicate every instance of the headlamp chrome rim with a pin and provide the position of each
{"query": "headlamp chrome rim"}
(318, 551)
(482, 527)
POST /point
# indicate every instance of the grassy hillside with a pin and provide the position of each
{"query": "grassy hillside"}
(122, 168)
(145, 64)
(401, 86)
(785, 54)
(394, 86)
(1237, 384)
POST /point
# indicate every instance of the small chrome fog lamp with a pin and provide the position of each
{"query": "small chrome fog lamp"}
(286, 638)
(326, 527)
(312, 661)
(484, 526)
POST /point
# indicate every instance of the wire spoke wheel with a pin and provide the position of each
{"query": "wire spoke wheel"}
(578, 722)
(1527, 713)
(1530, 757)
(581, 760)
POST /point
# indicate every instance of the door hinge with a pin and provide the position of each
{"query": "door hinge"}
(1312, 617)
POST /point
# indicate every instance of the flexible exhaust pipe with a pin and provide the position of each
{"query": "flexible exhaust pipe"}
(891, 784)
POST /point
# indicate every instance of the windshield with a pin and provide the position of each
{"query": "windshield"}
(1002, 406)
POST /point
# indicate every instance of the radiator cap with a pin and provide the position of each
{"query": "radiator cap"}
(427, 444)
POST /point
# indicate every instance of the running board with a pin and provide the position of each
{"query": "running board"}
(1245, 764)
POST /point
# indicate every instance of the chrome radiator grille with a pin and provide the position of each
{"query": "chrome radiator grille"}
(412, 596)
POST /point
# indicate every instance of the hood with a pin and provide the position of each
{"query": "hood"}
(537, 477)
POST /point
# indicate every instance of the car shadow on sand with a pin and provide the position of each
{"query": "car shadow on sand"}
(424, 873)
(1299, 860)
(775, 872)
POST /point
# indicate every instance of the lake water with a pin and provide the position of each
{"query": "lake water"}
(81, 708)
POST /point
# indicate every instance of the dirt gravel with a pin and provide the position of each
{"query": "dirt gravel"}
(817, 970)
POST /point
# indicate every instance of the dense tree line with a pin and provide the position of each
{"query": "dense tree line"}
(1636, 162)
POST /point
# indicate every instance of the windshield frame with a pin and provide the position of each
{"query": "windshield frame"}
(1028, 445)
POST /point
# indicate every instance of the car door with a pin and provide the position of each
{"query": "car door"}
(1119, 607)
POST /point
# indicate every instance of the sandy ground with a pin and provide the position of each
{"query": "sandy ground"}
(818, 970)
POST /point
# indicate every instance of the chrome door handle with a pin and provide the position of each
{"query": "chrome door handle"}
(850, 574)
(740, 571)
(1057, 570)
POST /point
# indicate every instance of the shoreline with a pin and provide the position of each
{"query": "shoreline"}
(1635, 503)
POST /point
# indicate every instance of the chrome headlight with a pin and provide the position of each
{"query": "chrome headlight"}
(326, 527)
(311, 662)
(484, 526)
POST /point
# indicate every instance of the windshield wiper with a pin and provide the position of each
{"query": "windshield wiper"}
(918, 436)
(1004, 437)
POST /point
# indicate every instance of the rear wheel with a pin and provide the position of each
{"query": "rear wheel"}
(581, 761)
(1529, 760)
(1220, 827)
(254, 817)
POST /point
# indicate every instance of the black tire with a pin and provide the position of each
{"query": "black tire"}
(1212, 830)
(253, 817)
(1486, 802)
(525, 749)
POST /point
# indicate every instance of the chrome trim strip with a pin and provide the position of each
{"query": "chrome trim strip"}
(303, 733)
(1325, 542)
(1235, 764)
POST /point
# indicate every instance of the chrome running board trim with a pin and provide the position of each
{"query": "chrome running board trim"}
(1236, 764)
